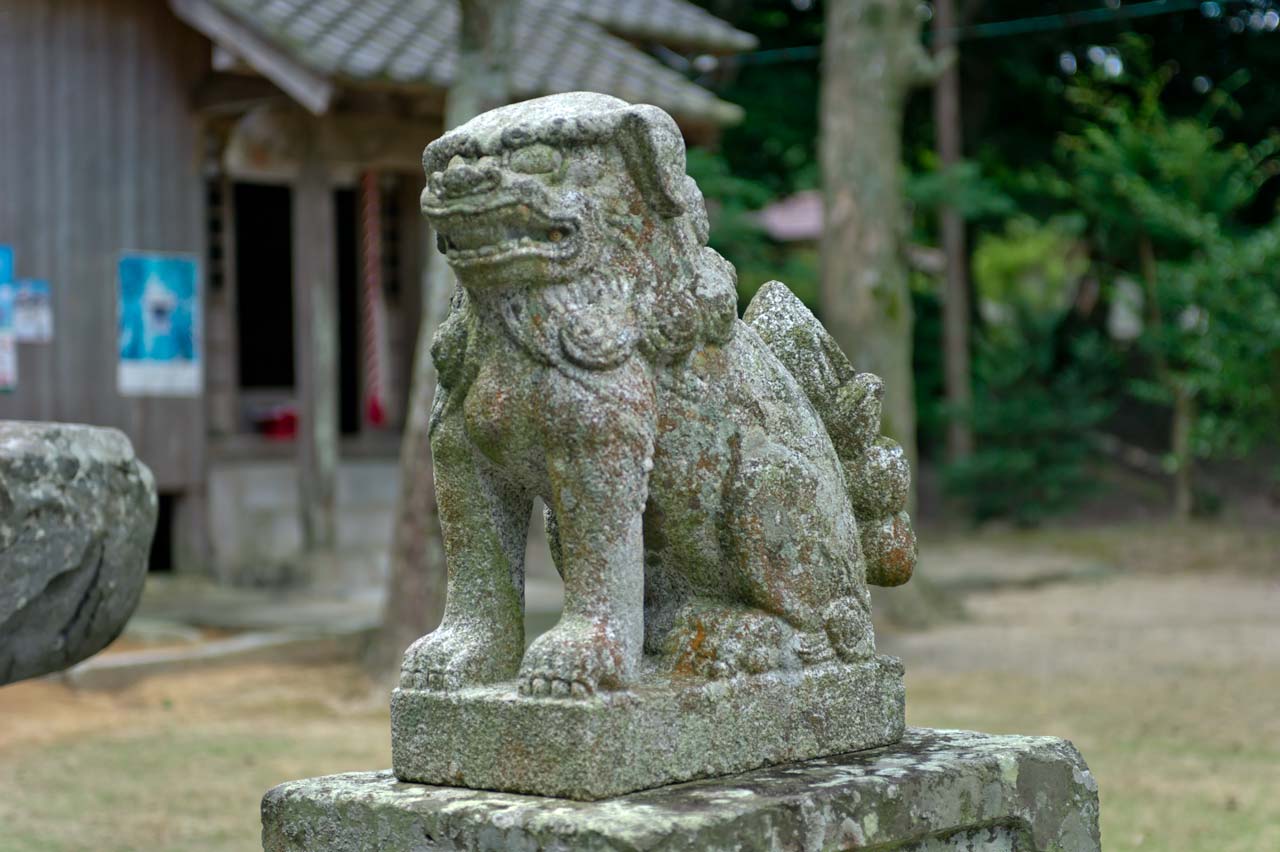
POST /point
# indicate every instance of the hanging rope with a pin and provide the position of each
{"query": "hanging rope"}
(373, 320)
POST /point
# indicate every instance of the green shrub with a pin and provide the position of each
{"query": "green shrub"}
(1040, 385)
(1032, 422)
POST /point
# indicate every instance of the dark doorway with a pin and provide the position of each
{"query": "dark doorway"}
(345, 227)
(161, 559)
(264, 284)
(264, 293)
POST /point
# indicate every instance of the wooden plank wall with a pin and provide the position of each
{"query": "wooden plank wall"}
(99, 153)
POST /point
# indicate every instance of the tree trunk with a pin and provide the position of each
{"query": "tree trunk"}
(955, 305)
(415, 587)
(872, 57)
(1184, 403)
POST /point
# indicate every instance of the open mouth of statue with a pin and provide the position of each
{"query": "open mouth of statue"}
(502, 233)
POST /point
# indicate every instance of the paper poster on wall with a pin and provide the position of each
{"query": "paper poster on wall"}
(8, 343)
(159, 325)
(6, 264)
(32, 311)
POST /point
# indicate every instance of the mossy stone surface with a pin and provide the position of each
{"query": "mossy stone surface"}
(934, 790)
(666, 729)
(77, 513)
(717, 491)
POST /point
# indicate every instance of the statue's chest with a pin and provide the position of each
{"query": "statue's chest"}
(501, 413)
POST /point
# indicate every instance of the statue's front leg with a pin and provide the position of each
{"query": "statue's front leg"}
(485, 523)
(598, 452)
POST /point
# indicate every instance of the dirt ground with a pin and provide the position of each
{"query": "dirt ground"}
(1164, 671)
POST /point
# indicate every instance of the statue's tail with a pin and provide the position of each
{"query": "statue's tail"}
(877, 474)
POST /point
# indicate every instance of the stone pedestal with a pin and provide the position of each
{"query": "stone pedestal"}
(934, 790)
(664, 730)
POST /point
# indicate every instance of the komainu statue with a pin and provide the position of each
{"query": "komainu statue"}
(717, 492)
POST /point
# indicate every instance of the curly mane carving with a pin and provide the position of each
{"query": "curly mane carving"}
(657, 289)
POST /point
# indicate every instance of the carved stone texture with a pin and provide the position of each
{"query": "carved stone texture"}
(659, 732)
(933, 791)
(77, 512)
(709, 498)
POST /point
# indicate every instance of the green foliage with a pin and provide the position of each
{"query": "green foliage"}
(932, 412)
(1027, 275)
(1138, 173)
(1148, 153)
(1038, 393)
(733, 202)
(771, 154)
(776, 146)
(1165, 201)
(1032, 420)
(1226, 339)
(963, 186)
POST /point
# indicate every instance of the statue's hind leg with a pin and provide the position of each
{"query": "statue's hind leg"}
(796, 551)
(713, 639)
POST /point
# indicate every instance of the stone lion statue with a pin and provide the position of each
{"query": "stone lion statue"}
(717, 493)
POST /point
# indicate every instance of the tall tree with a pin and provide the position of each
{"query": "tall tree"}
(415, 586)
(955, 305)
(1167, 205)
(872, 57)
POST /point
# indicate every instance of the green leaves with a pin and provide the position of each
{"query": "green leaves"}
(963, 187)
(1034, 412)
(1164, 198)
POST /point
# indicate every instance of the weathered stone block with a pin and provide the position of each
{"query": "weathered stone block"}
(664, 730)
(77, 512)
(933, 791)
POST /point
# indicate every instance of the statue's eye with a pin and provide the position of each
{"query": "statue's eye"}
(534, 159)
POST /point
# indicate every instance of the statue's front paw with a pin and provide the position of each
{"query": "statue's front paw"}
(455, 657)
(575, 659)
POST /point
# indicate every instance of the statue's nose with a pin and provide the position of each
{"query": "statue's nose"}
(463, 179)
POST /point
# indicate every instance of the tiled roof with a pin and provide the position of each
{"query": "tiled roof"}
(671, 22)
(561, 45)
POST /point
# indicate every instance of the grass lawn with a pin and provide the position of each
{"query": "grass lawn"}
(1166, 677)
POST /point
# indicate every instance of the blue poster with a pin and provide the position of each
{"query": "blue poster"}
(6, 307)
(159, 325)
(8, 343)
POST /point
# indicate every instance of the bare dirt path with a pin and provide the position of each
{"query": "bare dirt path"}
(1169, 685)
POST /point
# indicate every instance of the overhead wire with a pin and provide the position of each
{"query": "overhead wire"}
(1015, 26)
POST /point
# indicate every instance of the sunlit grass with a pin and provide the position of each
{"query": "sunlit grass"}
(1174, 708)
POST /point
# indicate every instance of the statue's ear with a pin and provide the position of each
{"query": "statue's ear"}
(653, 147)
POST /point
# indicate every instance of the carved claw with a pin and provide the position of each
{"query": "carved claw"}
(453, 658)
(573, 660)
(556, 688)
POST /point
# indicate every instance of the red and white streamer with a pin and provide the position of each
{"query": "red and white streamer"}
(373, 319)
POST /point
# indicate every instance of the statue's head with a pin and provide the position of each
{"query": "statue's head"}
(570, 187)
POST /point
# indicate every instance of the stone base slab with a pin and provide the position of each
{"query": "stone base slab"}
(933, 791)
(663, 731)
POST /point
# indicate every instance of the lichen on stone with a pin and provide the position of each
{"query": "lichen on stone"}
(77, 513)
(718, 494)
